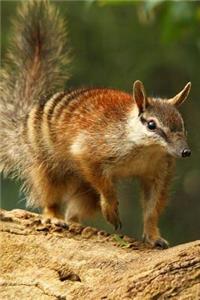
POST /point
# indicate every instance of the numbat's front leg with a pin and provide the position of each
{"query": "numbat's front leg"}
(108, 199)
(109, 207)
(109, 203)
(153, 201)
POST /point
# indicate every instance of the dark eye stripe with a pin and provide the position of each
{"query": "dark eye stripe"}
(158, 130)
(161, 133)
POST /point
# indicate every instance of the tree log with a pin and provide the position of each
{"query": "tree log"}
(45, 260)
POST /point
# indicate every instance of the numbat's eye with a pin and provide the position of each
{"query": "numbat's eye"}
(151, 125)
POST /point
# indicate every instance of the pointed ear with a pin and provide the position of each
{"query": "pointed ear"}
(139, 95)
(180, 97)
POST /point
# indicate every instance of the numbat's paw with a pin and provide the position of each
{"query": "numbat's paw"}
(161, 243)
(55, 221)
(111, 214)
(158, 242)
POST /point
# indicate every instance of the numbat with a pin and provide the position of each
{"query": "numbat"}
(72, 147)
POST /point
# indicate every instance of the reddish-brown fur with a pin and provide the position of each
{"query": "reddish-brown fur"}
(81, 147)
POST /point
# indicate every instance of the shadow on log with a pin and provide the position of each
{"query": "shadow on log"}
(40, 260)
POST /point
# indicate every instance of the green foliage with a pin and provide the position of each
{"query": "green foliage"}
(120, 242)
(178, 19)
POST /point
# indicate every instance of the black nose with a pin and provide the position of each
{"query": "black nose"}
(186, 152)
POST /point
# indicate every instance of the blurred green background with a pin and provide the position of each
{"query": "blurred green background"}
(114, 43)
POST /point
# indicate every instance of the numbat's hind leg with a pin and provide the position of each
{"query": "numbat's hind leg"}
(53, 211)
(83, 204)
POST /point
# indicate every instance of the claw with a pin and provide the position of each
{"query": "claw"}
(56, 222)
(118, 226)
(111, 214)
(158, 243)
(161, 244)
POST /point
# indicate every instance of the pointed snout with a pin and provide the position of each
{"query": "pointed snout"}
(186, 152)
(179, 147)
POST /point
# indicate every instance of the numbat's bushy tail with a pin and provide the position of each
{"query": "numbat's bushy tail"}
(73, 147)
(36, 64)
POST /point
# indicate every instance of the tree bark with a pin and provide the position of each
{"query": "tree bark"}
(42, 260)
